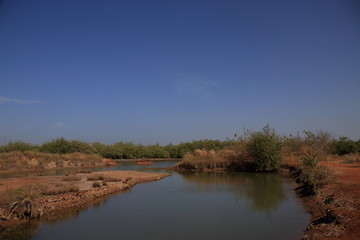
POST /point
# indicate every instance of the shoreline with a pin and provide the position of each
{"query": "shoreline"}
(335, 209)
(54, 204)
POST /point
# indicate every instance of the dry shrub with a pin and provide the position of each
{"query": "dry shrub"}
(61, 188)
(351, 158)
(23, 202)
(238, 159)
(314, 177)
(23, 160)
(96, 184)
(95, 177)
(202, 159)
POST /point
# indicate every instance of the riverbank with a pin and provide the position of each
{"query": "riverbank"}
(82, 189)
(335, 209)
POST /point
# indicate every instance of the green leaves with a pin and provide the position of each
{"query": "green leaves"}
(265, 149)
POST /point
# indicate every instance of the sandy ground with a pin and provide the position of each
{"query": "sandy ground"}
(336, 208)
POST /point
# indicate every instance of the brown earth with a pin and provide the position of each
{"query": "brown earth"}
(336, 208)
(108, 182)
(144, 162)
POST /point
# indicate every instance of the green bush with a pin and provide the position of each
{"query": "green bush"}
(345, 146)
(63, 146)
(265, 149)
(17, 147)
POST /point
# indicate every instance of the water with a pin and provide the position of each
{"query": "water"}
(125, 165)
(187, 206)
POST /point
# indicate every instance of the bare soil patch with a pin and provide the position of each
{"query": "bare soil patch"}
(336, 208)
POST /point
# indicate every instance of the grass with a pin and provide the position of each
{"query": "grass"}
(61, 188)
(202, 160)
(103, 178)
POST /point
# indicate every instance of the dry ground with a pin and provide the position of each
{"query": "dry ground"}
(336, 208)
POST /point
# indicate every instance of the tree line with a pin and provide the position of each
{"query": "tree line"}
(118, 150)
(128, 150)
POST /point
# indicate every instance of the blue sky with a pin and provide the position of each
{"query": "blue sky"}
(173, 71)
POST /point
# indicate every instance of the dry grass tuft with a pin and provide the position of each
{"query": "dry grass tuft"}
(61, 188)
(202, 159)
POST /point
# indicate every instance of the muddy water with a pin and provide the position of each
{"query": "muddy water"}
(199, 206)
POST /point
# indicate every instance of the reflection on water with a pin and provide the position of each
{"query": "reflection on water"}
(189, 205)
(264, 191)
(128, 166)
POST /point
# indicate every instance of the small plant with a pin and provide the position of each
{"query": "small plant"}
(310, 159)
(95, 178)
(25, 205)
(96, 184)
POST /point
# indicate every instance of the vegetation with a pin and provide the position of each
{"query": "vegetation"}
(254, 151)
(265, 149)
(119, 150)
(201, 160)
(23, 203)
(346, 146)
(38, 160)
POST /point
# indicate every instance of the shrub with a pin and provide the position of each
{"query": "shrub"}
(265, 149)
(95, 177)
(61, 188)
(63, 146)
(345, 146)
(96, 184)
(315, 177)
(202, 159)
(25, 205)
(17, 147)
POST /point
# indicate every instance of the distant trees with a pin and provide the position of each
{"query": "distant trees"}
(345, 146)
(263, 146)
(63, 146)
(17, 146)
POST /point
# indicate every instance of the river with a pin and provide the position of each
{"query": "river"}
(197, 206)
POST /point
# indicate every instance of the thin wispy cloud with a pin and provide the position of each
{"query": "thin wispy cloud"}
(16, 100)
(196, 86)
(59, 124)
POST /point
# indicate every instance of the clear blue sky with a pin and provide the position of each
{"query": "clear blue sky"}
(173, 71)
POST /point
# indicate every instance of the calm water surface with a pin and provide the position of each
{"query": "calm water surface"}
(187, 206)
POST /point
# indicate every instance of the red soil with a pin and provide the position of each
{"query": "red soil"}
(339, 199)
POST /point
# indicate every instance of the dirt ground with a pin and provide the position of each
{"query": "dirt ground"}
(336, 208)
(107, 183)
